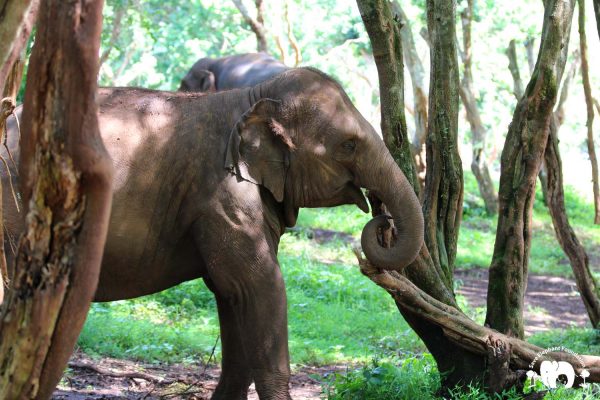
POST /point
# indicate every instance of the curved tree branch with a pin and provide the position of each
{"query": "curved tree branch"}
(256, 24)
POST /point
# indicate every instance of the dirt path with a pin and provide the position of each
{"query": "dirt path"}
(550, 301)
(109, 378)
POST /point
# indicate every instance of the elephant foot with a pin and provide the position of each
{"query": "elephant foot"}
(272, 385)
(232, 388)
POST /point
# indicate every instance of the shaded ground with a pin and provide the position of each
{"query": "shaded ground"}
(550, 301)
(109, 378)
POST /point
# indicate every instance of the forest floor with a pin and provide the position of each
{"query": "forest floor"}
(551, 302)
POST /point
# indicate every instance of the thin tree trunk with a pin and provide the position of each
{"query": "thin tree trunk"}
(513, 66)
(521, 159)
(588, 288)
(555, 199)
(417, 76)
(116, 30)
(17, 19)
(479, 165)
(290, 35)
(589, 102)
(597, 12)
(67, 174)
(256, 24)
(443, 196)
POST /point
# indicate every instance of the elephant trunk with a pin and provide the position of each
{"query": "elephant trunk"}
(389, 184)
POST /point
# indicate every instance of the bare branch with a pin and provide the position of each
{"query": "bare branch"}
(114, 34)
(256, 24)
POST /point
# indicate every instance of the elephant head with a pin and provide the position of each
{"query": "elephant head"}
(309, 146)
(198, 80)
(551, 370)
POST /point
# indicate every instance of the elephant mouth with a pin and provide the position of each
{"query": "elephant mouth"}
(355, 195)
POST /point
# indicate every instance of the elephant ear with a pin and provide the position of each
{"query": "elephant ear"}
(198, 80)
(259, 147)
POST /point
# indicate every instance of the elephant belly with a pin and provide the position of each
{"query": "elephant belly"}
(124, 277)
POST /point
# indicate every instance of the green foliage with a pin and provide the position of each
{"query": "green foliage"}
(413, 378)
(581, 341)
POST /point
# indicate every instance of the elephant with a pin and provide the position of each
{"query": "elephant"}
(237, 71)
(192, 180)
(551, 370)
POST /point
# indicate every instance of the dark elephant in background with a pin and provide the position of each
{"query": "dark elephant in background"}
(205, 186)
(238, 71)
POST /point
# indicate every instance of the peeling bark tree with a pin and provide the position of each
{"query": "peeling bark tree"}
(521, 159)
(479, 165)
(589, 102)
(464, 351)
(17, 19)
(256, 24)
(417, 76)
(66, 178)
(443, 196)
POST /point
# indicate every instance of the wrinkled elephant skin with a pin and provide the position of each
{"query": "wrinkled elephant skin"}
(238, 71)
(206, 185)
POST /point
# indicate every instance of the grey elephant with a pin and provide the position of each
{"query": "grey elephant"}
(193, 180)
(237, 71)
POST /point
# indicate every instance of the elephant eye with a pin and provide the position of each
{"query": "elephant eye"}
(349, 145)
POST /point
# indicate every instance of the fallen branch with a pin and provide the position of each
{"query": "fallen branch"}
(467, 334)
(119, 374)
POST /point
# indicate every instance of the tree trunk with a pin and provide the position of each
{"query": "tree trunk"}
(479, 165)
(417, 76)
(17, 19)
(597, 12)
(66, 178)
(513, 66)
(443, 196)
(521, 159)
(589, 290)
(256, 24)
(589, 102)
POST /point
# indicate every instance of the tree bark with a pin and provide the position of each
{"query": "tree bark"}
(588, 288)
(597, 12)
(256, 24)
(589, 102)
(443, 196)
(119, 13)
(479, 165)
(417, 76)
(513, 66)
(290, 35)
(17, 19)
(65, 177)
(521, 159)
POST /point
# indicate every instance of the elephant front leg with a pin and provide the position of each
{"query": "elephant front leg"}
(248, 282)
(235, 372)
